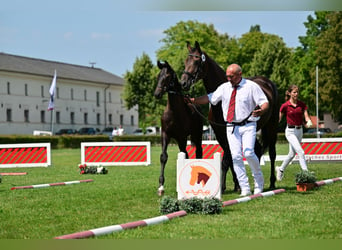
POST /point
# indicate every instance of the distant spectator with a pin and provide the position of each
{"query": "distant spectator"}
(115, 132)
(121, 131)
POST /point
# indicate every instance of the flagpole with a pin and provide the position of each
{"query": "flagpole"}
(317, 127)
(51, 106)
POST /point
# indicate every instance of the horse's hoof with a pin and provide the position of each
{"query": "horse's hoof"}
(160, 192)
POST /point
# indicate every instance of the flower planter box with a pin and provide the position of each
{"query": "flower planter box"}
(303, 187)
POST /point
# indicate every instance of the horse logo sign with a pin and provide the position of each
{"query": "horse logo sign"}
(198, 177)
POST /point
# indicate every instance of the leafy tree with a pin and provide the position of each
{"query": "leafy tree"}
(303, 61)
(329, 59)
(271, 61)
(139, 89)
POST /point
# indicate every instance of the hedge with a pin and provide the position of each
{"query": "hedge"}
(74, 141)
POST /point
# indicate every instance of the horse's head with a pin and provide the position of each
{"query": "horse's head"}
(166, 79)
(193, 66)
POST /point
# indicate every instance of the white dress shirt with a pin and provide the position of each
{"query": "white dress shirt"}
(248, 96)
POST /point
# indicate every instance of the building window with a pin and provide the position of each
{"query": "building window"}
(26, 89)
(121, 119)
(132, 120)
(58, 117)
(57, 92)
(72, 117)
(9, 115)
(110, 119)
(85, 95)
(42, 116)
(85, 118)
(72, 94)
(42, 91)
(98, 98)
(110, 97)
(26, 115)
(8, 88)
(98, 119)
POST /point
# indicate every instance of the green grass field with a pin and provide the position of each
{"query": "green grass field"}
(129, 194)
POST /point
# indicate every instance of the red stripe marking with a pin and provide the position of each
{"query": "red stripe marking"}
(134, 224)
(315, 148)
(323, 147)
(142, 155)
(308, 147)
(36, 156)
(105, 155)
(337, 149)
(93, 155)
(17, 156)
(191, 151)
(57, 184)
(28, 154)
(211, 150)
(329, 148)
(115, 153)
(23, 155)
(10, 156)
(8, 150)
(43, 156)
(123, 155)
(99, 153)
(80, 235)
(133, 154)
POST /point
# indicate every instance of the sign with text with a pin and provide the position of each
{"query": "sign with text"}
(199, 178)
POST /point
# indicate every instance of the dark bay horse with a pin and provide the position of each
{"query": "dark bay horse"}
(198, 65)
(178, 120)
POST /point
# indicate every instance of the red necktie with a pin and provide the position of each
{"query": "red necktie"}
(231, 109)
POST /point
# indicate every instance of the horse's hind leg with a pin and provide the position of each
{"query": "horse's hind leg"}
(163, 160)
(272, 153)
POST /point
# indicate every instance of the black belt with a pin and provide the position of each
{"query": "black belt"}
(233, 124)
(293, 126)
(238, 123)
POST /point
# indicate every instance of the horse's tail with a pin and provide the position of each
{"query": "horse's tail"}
(269, 132)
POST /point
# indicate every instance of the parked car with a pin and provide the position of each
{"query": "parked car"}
(138, 131)
(152, 130)
(321, 131)
(88, 131)
(66, 131)
(108, 131)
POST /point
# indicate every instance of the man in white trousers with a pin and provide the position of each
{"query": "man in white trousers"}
(240, 97)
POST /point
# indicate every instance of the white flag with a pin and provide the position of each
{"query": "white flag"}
(52, 92)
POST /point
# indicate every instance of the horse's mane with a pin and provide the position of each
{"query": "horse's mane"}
(215, 79)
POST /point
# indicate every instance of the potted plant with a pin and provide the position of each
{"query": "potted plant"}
(305, 180)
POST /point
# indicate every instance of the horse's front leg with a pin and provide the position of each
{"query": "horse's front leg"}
(163, 160)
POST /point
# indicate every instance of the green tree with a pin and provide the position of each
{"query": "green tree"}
(303, 61)
(139, 89)
(271, 61)
(329, 60)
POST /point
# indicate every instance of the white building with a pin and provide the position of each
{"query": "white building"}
(85, 97)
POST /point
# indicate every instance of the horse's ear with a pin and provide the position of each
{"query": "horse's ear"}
(167, 64)
(198, 47)
(188, 45)
(160, 65)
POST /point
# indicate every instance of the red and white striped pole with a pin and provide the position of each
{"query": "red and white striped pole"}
(15, 173)
(117, 228)
(251, 197)
(328, 181)
(51, 184)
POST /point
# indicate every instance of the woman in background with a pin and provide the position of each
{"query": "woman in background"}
(295, 111)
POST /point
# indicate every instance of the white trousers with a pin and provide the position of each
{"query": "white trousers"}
(294, 137)
(241, 143)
